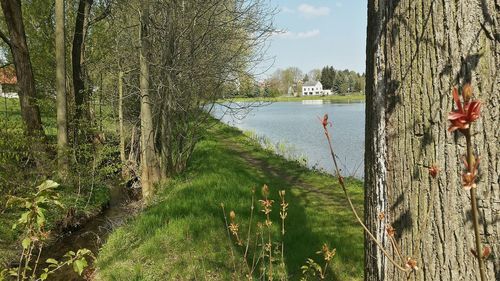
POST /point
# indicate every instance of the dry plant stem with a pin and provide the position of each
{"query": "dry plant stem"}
(40, 247)
(250, 225)
(27, 260)
(270, 249)
(342, 184)
(229, 236)
(20, 263)
(250, 270)
(473, 200)
(395, 245)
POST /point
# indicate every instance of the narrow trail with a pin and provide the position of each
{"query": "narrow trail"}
(327, 196)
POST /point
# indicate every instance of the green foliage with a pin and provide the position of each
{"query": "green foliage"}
(32, 222)
(342, 81)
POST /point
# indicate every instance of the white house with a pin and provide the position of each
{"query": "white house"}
(314, 88)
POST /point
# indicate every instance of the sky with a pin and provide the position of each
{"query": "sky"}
(317, 33)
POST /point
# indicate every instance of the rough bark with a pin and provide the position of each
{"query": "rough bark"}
(25, 79)
(78, 57)
(150, 173)
(62, 126)
(416, 52)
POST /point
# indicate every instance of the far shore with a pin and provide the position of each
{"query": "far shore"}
(357, 97)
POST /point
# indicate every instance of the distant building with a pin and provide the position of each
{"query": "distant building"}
(8, 77)
(314, 88)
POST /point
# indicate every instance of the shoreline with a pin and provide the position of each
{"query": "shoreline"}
(358, 98)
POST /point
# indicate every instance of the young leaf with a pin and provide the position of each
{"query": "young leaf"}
(44, 276)
(48, 184)
(80, 265)
(26, 243)
(40, 218)
(52, 261)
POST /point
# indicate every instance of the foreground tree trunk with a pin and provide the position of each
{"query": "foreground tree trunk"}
(416, 52)
(62, 126)
(27, 91)
(150, 170)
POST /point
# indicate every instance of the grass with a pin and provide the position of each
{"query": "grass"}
(356, 97)
(181, 235)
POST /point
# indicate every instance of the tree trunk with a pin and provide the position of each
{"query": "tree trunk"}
(62, 126)
(78, 58)
(123, 158)
(150, 170)
(416, 52)
(27, 91)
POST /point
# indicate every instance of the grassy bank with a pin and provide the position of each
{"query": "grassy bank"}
(333, 99)
(182, 235)
(19, 177)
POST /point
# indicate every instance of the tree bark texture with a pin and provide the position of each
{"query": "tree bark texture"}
(78, 58)
(150, 169)
(26, 82)
(62, 121)
(417, 51)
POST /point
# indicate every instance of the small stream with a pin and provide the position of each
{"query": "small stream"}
(90, 236)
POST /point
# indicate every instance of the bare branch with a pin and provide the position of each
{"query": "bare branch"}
(5, 38)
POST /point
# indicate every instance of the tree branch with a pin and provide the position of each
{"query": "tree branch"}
(5, 38)
(103, 15)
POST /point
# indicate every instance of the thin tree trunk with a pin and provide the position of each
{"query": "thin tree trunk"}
(123, 159)
(78, 58)
(150, 169)
(27, 91)
(62, 127)
(416, 52)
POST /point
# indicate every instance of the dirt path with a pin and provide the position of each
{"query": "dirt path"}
(275, 172)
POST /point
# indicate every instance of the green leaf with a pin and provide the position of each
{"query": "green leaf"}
(53, 261)
(48, 184)
(26, 243)
(43, 276)
(80, 265)
(57, 203)
(24, 217)
(41, 199)
(40, 219)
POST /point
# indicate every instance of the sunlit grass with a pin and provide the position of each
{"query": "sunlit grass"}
(181, 236)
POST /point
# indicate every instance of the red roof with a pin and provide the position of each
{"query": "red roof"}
(8, 75)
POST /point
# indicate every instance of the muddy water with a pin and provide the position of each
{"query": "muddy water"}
(90, 236)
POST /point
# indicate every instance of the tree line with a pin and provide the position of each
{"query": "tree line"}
(289, 81)
(152, 68)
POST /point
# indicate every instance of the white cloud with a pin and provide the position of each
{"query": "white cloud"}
(298, 35)
(312, 11)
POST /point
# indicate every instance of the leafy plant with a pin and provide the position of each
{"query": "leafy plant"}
(34, 236)
(314, 270)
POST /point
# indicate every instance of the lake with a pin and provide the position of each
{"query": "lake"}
(296, 126)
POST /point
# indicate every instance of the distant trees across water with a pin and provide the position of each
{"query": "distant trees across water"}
(289, 81)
